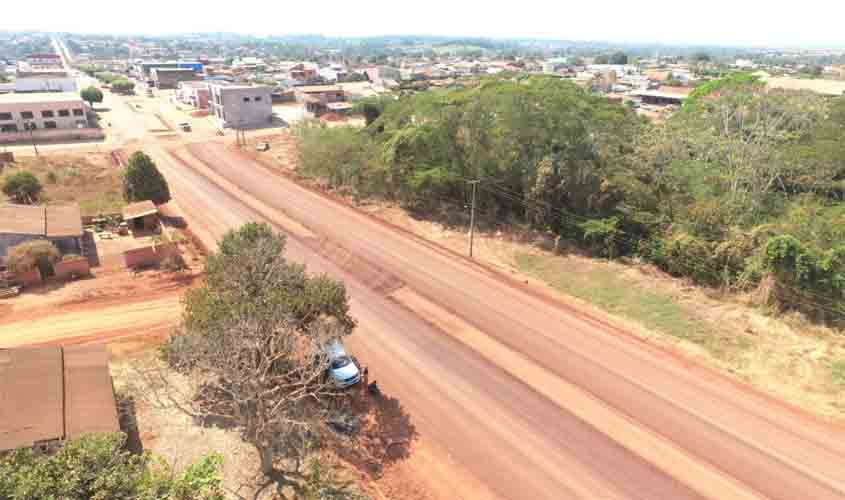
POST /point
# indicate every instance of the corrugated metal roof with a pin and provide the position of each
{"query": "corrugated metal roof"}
(31, 396)
(139, 209)
(89, 395)
(64, 221)
(22, 219)
(51, 221)
(49, 393)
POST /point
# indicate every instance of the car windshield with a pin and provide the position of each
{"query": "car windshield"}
(340, 362)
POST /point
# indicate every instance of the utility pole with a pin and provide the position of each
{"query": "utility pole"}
(472, 216)
(31, 126)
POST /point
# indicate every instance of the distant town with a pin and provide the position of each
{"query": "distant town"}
(326, 76)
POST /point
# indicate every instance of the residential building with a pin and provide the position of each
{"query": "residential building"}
(61, 225)
(193, 94)
(21, 112)
(143, 70)
(663, 95)
(239, 106)
(196, 66)
(45, 60)
(169, 78)
(248, 64)
(40, 80)
(316, 97)
(51, 394)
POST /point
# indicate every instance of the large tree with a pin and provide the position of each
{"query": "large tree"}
(143, 181)
(92, 94)
(252, 349)
(22, 187)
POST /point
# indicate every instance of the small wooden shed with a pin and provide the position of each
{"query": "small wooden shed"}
(141, 216)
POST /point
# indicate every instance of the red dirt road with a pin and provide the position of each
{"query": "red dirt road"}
(516, 394)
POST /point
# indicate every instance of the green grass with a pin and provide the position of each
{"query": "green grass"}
(837, 372)
(109, 202)
(606, 288)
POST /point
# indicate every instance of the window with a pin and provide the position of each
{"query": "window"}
(258, 98)
(9, 128)
(246, 99)
(49, 124)
(77, 112)
(30, 126)
(27, 115)
(5, 116)
(64, 112)
(46, 114)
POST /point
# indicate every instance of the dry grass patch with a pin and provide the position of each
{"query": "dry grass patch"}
(90, 179)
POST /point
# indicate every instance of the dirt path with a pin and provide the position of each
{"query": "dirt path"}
(492, 371)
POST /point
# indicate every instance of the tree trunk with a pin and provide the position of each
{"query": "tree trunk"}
(266, 456)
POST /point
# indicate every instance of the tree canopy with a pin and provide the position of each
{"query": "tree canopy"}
(123, 85)
(253, 343)
(22, 187)
(26, 256)
(91, 95)
(97, 467)
(143, 181)
(700, 195)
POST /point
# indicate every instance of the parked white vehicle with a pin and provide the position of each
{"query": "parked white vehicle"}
(342, 368)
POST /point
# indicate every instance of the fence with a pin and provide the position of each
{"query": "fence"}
(53, 135)
(148, 256)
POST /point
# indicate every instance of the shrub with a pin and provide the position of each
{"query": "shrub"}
(25, 256)
(602, 235)
(174, 263)
(22, 187)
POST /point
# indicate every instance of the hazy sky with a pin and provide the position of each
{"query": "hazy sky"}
(727, 22)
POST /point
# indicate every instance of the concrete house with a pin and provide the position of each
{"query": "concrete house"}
(61, 225)
(169, 78)
(239, 106)
(193, 94)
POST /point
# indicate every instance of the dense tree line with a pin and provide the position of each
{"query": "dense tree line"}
(741, 187)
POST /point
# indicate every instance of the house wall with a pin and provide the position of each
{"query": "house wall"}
(68, 245)
(8, 240)
(42, 84)
(64, 245)
(66, 268)
(53, 135)
(29, 278)
(168, 79)
(241, 106)
(148, 256)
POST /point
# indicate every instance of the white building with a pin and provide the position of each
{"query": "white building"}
(240, 106)
(54, 110)
(29, 79)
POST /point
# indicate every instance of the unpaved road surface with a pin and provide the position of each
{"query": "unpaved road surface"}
(516, 394)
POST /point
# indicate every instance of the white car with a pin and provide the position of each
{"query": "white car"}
(342, 368)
